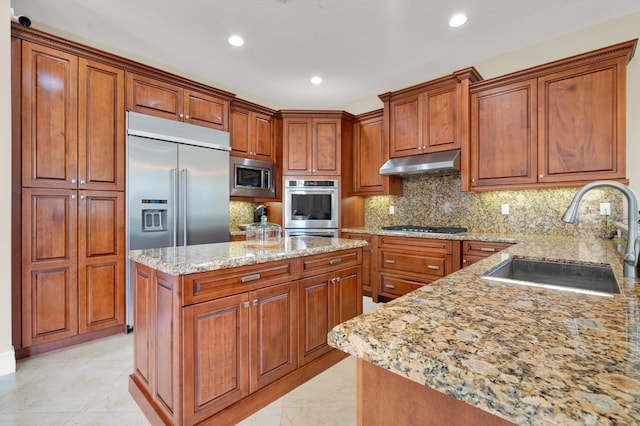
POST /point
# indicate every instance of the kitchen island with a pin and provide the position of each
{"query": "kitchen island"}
(465, 350)
(221, 330)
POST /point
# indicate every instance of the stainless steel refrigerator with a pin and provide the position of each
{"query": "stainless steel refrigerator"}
(177, 187)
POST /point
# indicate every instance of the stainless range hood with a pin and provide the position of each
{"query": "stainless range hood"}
(423, 163)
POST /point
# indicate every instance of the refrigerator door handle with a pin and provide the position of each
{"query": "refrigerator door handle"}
(183, 172)
(174, 172)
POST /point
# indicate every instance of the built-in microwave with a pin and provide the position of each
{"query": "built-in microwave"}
(251, 178)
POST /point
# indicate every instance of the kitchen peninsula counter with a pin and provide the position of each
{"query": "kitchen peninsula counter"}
(221, 330)
(526, 355)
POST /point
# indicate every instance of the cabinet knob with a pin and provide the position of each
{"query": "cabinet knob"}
(82, 197)
(541, 176)
(473, 180)
(181, 115)
(187, 117)
(83, 182)
(464, 261)
(73, 197)
(73, 181)
(314, 170)
(255, 302)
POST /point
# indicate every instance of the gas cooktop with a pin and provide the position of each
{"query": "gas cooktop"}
(425, 229)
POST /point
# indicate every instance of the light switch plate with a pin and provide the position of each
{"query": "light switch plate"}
(505, 209)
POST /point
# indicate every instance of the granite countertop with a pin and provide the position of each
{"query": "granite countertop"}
(210, 257)
(530, 355)
(466, 236)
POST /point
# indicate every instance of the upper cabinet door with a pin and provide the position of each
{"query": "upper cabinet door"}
(503, 135)
(101, 131)
(439, 129)
(581, 124)
(369, 155)
(240, 145)
(205, 110)
(326, 147)
(405, 138)
(49, 117)
(154, 97)
(262, 137)
(297, 147)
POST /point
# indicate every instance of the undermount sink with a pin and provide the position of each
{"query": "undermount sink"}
(576, 277)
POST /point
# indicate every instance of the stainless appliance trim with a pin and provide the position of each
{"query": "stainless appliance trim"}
(294, 187)
(331, 233)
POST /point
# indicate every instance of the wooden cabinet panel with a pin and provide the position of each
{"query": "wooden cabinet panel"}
(273, 337)
(347, 294)
(49, 117)
(440, 122)
(504, 134)
(216, 355)
(369, 263)
(414, 263)
(101, 126)
(406, 127)
(101, 260)
(312, 265)
(398, 285)
(297, 147)
(369, 155)
(314, 317)
(252, 135)
(262, 135)
(142, 338)
(49, 265)
(326, 147)
(154, 97)
(582, 142)
(312, 142)
(205, 110)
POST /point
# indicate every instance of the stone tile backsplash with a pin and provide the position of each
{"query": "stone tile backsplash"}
(437, 200)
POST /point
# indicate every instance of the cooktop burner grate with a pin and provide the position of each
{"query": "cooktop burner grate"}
(425, 229)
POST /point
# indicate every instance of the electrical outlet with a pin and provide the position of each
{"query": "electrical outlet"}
(605, 209)
(505, 209)
(392, 209)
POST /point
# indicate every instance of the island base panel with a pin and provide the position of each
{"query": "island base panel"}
(248, 405)
(386, 398)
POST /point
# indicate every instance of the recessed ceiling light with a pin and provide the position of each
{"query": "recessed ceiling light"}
(316, 79)
(457, 20)
(236, 40)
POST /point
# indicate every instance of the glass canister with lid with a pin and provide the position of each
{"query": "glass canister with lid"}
(264, 235)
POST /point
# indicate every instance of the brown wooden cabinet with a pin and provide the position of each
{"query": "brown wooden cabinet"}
(474, 251)
(558, 124)
(369, 263)
(216, 346)
(406, 264)
(72, 263)
(369, 153)
(166, 99)
(72, 139)
(431, 116)
(252, 131)
(72, 121)
(312, 142)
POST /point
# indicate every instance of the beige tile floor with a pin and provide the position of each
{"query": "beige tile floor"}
(87, 385)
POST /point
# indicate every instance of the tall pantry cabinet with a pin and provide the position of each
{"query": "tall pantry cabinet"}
(69, 159)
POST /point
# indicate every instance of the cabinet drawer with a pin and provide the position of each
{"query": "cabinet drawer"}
(317, 264)
(394, 286)
(225, 282)
(413, 263)
(483, 248)
(416, 244)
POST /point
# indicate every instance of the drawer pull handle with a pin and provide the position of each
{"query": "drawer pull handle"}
(489, 249)
(335, 261)
(347, 277)
(390, 261)
(390, 286)
(250, 278)
(433, 267)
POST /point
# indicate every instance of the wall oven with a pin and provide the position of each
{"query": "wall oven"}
(251, 178)
(311, 206)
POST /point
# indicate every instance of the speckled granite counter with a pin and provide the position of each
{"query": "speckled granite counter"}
(209, 257)
(464, 236)
(529, 355)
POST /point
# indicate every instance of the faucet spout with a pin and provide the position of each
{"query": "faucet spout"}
(633, 243)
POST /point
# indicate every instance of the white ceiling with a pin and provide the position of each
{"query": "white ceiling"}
(359, 47)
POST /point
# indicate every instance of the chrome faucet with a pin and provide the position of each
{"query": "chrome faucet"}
(633, 242)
